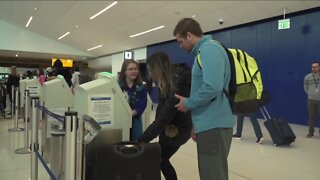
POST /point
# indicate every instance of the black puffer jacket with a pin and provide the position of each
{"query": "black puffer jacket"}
(167, 114)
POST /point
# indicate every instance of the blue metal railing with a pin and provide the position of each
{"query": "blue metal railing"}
(52, 176)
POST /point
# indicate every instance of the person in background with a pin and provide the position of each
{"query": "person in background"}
(35, 73)
(75, 78)
(210, 108)
(255, 124)
(49, 71)
(172, 127)
(42, 77)
(60, 70)
(311, 87)
(130, 82)
(29, 74)
(13, 81)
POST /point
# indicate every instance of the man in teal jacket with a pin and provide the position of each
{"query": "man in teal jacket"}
(211, 112)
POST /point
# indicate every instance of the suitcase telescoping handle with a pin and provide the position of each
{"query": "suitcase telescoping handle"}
(265, 113)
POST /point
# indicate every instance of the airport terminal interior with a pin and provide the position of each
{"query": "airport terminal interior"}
(65, 113)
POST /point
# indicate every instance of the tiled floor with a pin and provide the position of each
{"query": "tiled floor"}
(247, 160)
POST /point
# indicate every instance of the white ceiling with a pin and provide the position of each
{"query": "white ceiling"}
(113, 28)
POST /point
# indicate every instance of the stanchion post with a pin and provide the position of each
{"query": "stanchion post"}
(79, 157)
(26, 109)
(12, 101)
(15, 98)
(16, 112)
(71, 123)
(25, 149)
(34, 142)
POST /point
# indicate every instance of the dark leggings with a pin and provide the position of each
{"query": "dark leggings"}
(166, 167)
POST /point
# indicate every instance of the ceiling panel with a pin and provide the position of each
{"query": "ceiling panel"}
(100, 26)
(77, 15)
(21, 12)
(225, 4)
(48, 13)
(249, 12)
(112, 28)
(311, 4)
(210, 21)
(6, 7)
(275, 8)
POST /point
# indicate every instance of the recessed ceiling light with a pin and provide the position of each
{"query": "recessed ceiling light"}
(29, 21)
(17, 54)
(194, 16)
(64, 35)
(144, 32)
(35, 9)
(103, 10)
(94, 48)
(77, 26)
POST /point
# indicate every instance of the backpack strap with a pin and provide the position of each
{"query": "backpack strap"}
(199, 62)
(246, 62)
(239, 60)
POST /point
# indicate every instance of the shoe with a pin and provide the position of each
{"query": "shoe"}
(236, 137)
(309, 135)
(259, 140)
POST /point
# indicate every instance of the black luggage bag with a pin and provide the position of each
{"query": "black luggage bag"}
(127, 161)
(279, 129)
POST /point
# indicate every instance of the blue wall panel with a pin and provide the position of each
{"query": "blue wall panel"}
(224, 37)
(283, 56)
(176, 54)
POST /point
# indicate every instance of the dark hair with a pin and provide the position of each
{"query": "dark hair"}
(34, 72)
(159, 63)
(186, 25)
(41, 71)
(76, 69)
(122, 76)
(14, 71)
(29, 74)
(58, 64)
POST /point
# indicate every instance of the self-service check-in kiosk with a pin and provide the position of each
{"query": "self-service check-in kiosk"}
(33, 86)
(103, 100)
(57, 94)
(57, 98)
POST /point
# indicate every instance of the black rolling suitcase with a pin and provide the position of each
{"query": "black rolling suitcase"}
(279, 129)
(127, 161)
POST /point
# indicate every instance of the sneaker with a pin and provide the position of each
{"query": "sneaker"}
(309, 135)
(236, 137)
(259, 140)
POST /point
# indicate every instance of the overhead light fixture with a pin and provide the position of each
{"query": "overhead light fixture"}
(77, 26)
(29, 21)
(35, 9)
(94, 48)
(64, 35)
(17, 54)
(103, 10)
(150, 30)
(194, 16)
